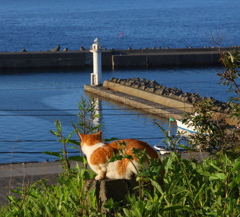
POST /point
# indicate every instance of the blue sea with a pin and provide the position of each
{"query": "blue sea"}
(42, 24)
(32, 99)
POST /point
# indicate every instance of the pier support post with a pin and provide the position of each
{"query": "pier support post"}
(107, 189)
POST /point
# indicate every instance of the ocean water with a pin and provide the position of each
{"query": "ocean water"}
(41, 24)
(31, 100)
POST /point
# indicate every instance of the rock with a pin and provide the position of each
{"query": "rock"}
(158, 86)
(122, 82)
(23, 50)
(142, 83)
(142, 87)
(82, 48)
(186, 99)
(210, 99)
(135, 86)
(55, 49)
(159, 91)
(177, 93)
(65, 49)
(227, 110)
(175, 89)
(150, 89)
(129, 83)
(193, 99)
(136, 79)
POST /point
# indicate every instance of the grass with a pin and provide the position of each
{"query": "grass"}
(207, 188)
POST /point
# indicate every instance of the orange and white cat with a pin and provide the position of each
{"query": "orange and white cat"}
(98, 155)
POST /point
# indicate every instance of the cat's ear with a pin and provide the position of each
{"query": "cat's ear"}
(100, 133)
(80, 135)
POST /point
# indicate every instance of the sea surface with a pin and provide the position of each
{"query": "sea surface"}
(32, 100)
(42, 24)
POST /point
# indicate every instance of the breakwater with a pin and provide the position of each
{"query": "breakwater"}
(187, 100)
(153, 57)
(157, 99)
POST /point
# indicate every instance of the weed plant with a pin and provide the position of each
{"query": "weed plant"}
(208, 188)
(191, 188)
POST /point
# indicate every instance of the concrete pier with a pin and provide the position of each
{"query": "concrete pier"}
(135, 101)
(113, 58)
(169, 105)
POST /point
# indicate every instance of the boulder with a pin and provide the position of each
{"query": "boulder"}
(82, 48)
(55, 49)
(150, 89)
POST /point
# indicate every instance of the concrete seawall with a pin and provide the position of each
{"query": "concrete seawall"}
(113, 58)
(150, 99)
(135, 102)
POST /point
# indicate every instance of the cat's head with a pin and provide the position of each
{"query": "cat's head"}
(90, 139)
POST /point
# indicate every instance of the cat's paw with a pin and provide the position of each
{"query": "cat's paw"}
(98, 177)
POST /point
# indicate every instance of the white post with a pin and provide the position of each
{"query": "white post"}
(96, 76)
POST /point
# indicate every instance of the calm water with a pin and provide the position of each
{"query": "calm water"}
(31, 101)
(43, 24)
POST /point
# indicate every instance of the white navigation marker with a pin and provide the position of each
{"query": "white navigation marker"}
(96, 76)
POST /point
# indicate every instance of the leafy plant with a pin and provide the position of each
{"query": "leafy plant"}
(207, 188)
(231, 62)
(86, 116)
(67, 198)
(215, 135)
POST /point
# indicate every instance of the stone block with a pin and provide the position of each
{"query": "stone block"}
(136, 79)
(122, 82)
(115, 80)
(135, 86)
(142, 87)
(159, 91)
(106, 189)
(150, 89)
(128, 83)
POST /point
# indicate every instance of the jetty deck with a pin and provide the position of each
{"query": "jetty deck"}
(154, 57)
(149, 105)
